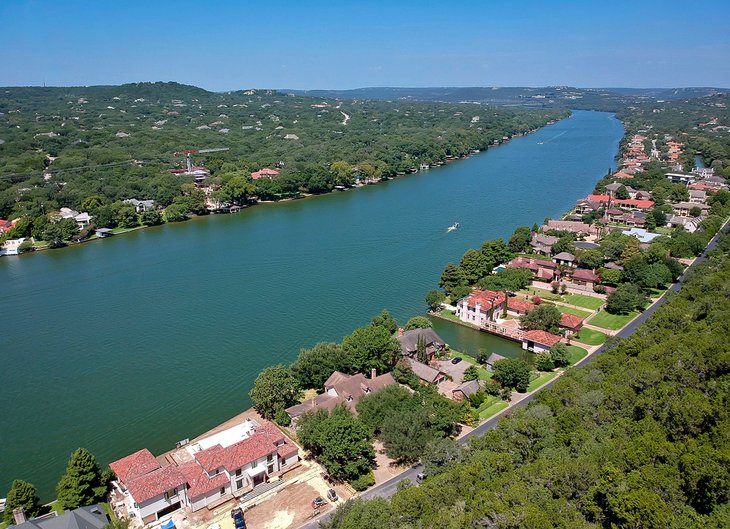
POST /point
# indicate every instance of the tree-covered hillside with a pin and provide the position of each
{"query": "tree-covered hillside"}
(59, 146)
(638, 438)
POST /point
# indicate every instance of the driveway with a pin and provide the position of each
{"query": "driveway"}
(455, 371)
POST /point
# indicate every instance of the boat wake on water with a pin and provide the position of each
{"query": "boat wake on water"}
(453, 227)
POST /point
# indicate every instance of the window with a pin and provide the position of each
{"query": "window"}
(238, 472)
(223, 491)
(270, 458)
(253, 465)
(239, 484)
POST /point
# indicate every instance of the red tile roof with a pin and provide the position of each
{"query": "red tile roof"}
(486, 298)
(622, 174)
(570, 321)
(518, 305)
(583, 274)
(134, 465)
(198, 481)
(541, 337)
(264, 173)
(262, 443)
(155, 483)
(641, 204)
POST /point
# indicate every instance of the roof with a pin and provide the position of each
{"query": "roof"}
(264, 173)
(91, 517)
(570, 321)
(547, 240)
(470, 387)
(262, 442)
(531, 264)
(641, 234)
(134, 465)
(564, 256)
(518, 305)
(494, 357)
(541, 337)
(568, 225)
(155, 483)
(622, 174)
(584, 274)
(198, 481)
(409, 339)
(485, 298)
(424, 372)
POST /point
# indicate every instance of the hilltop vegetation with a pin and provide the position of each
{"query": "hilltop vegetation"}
(638, 438)
(61, 146)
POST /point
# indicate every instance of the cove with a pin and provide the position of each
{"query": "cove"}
(144, 339)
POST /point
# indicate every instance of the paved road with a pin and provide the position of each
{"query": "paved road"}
(388, 488)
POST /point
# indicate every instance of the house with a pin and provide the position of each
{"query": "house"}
(585, 278)
(543, 269)
(426, 373)
(691, 224)
(103, 232)
(622, 174)
(680, 178)
(697, 196)
(141, 206)
(571, 323)
(542, 244)
(11, 246)
(715, 182)
(568, 225)
(344, 389)
(481, 306)
(494, 358)
(539, 341)
(409, 342)
(518, 307)
(613, 188)
(466, 389)
(632, 220)
(683, 209)
(564, 258)
(6, 225)
(91, 517)
(704, 172)
(641, 234)
(628, 203)
(264, 173)
(584, 206)
(82, 219)
(214, 470)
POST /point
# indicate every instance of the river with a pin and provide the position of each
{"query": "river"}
(144, 339)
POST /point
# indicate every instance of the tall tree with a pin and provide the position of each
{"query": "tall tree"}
(82, 484)
(512, 373)
(22, 494)
(385, 320)
(544, 317)
(474, 266)
(452, 277)
(520, 240)
(371, 347)
(313, 366)
(275, 389)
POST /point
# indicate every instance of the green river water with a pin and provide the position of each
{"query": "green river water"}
(144, 339)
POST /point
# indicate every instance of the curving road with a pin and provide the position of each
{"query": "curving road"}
(388, 488)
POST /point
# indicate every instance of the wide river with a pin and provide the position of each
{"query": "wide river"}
(148, 338)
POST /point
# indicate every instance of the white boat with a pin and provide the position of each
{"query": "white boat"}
(454, 226)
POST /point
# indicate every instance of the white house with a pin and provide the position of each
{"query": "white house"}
(480, 306)
(11, 246)
(539, 341)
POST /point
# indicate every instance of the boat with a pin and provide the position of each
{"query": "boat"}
(454, 226)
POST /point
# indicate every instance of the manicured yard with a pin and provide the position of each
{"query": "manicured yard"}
(611, 321)
(541, 379)
(483, 373)
(571, 310)
(492, 409)
(542, 293)
(587, 302)
(449, 315)
(575, 353)
(590, 337)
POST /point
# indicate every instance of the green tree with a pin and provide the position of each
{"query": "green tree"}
(544, 362)
(418, 322)
(434, 298)
(627, 298)
(314, 366)
(385, 320)
(496, 252)
(371, 347)
(622, 193)
(82, 484)
(126, 216)
(405, 436)
(238, 190)
(520, 240)
(92, 203)
(544, 317)
(421, 354)
(564, 244)
(474, 265)
(452, 277)
(276, 388)
(590, 259)
(512, 373)
(509, 279)
(22, 494)
(559, 355)
(176, 212)
(471, 373)
(374, 408)
(151, 217)
(440, 452)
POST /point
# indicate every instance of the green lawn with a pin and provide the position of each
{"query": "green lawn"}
(656, 292)
(492, 410)
(571, 310)
(541, 379)
(663, 230)
(56, 506)
(449, 315)
(575, 353)
(541, 293)
(590, 337)
(611, 321)
(587, 302)
(483, 373)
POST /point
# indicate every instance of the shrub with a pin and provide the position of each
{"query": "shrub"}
(363, 482)
(544, 362)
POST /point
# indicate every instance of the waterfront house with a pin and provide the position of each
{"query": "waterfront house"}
(6, 225)
(493, 358)
(539, 341)
(409, 342)
(103, 232)
(622, 174)
(543, 269)
(580, 228)
(613, 215)
(467, 389)
(207, 473)
(584, 206)
(264, 173)
(141, 206)
(564, 259)
(542, 244)
(480, 307)
(82, 219)
(342, 389)
(11, 246)
(90, 517)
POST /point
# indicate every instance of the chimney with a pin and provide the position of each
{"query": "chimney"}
(19, 515)
(373, 373)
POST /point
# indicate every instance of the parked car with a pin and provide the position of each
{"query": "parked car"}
(332, 495)
(420, 477)
(318, 502)
(238, 521)
(456, 360)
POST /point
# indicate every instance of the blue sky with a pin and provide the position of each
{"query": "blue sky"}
(308, 44)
